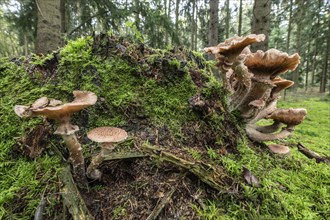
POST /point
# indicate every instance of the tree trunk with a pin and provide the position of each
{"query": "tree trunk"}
(177, 5)
(213, 25)
(63, 16)
(227, 18)
(168, 14)
(137, 14)
(324, 77)
(316, 45)
(288, 36)
(307, 65)
(261, 22)
(26, 46)
(314, 65)
(49, 26)
(193, 25)
(196, 26)
(240, 13)
(299, 17)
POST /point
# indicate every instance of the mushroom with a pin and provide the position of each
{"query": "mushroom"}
(278, 148)
(230, 56)
(280, 85)
(253, 83)
(106, 136)
(270, 64)
(291, 117)
(258, 135)
(62, 114)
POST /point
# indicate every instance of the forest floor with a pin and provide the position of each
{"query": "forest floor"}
(294, 184)
(291, 187)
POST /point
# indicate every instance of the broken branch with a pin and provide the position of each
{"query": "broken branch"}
(312, 155)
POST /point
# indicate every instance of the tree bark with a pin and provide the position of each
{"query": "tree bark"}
(227, 18)
(261, 22)
(307, 65)
(192, 37)
(137, 14)
(299, 17)
(240, 13)
(288, 36)
(324, 76)
(213, 25)
(177, 5)
(49, 26)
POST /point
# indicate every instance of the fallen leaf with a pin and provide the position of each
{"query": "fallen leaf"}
(250, 178)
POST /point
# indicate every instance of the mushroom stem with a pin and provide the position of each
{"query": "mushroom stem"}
(77, 158)
(258, 136)
(92, 171)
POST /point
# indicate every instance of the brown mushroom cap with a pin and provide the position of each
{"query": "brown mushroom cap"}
(235, 45)
(107, 134)
(22, 111)
(82, 100)
(40, 103)
(259, 104)
(271, 63)
(279, 149)
(54, 102)
(281, 84)
(289, 116)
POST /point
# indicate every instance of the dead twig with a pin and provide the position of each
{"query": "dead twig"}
(161, 204)
(205, 172)
(312, 155)
(72, 198)
(122, 155)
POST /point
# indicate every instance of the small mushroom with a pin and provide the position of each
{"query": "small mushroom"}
(106, 136)
(22, 111)
(62, 114)
(40, 103)
(278, 148)
(280, 85)
(291, 117)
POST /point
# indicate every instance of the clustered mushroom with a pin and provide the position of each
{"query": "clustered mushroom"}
(253, 82)
(61, 113)
(106, 136)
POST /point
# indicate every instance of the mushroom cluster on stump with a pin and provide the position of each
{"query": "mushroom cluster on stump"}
(253, 81)
(61, 113)
(106, 136)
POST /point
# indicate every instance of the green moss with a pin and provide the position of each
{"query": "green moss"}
(292, 187)
(124, 93)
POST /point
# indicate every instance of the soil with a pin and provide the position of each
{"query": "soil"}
(134, 189)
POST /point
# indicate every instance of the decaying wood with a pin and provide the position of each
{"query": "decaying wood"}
(205, 172)
(122, 155)
(72, 198)
(312, 155)
(161, 204)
